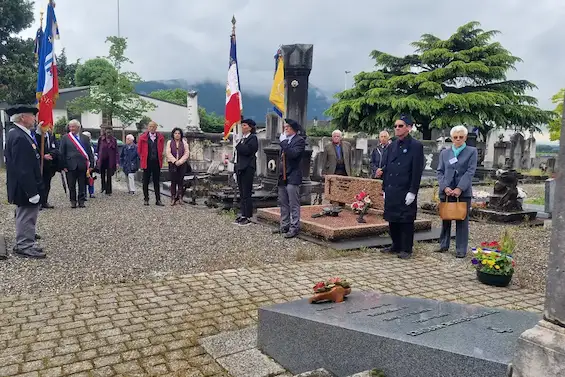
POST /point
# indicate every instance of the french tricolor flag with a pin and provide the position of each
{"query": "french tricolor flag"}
(47, 78)
(234, 104)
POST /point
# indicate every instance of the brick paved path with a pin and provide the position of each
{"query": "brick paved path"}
(151, 328)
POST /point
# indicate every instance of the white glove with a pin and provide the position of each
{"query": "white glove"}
(383, 195)
(34, 199)
(282, 137)
(410, 198)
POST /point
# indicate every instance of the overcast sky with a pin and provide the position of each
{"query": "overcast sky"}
(189, 39)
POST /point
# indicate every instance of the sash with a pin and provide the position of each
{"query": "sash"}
(80, 148)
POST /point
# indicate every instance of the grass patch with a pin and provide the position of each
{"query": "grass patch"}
(533, 172)
(536, 201)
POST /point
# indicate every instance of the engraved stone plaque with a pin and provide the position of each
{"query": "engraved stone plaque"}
(342, 189)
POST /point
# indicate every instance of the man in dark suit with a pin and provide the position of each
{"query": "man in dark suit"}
(402, 171)
(50, 164)
(245, 166)
(337, 156)
(24, 180)
(290, 177)
(76, 158)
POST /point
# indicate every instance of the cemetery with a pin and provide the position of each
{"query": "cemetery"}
(133, 290)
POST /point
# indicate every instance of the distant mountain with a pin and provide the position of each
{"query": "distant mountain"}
(211, 96)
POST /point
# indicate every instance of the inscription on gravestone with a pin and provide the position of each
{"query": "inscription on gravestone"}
(342, 189)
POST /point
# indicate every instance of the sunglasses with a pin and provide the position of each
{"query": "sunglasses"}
(458, 137)
(398, 125)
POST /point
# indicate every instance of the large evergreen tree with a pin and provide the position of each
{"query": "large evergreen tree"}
(66, 71)
(460, 80)
(18, 73)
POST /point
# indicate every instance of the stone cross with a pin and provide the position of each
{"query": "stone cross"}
(541, 350)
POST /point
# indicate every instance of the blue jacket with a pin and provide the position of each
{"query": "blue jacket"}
(129, 159)
(293, 152)
(457, 173)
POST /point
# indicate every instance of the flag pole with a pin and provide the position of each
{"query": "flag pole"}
(42, 146)
(235, 129)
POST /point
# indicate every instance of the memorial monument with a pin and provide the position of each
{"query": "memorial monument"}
(541, 349)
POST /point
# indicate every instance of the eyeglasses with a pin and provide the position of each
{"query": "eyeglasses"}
(458, 137)
(398, 125)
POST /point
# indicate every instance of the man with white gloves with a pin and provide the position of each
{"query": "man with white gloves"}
(24, 181)
(401, 173)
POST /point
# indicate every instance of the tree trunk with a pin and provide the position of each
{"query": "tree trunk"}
(426, 131)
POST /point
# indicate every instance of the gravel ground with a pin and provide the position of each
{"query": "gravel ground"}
(532, 242)
(117, 239)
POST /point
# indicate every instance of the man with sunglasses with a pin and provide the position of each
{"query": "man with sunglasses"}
(401, 173)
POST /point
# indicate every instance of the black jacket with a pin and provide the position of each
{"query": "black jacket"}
(246, 150)
(402, 173)
(51, 147)
(70, 156)
(292, 160)
(23, 169)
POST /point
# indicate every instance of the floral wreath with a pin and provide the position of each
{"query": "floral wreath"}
(324, 286)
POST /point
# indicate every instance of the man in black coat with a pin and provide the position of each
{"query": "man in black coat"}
(402, 171)
(290, 177)
(245, 166)
(24, 182)
(50, 164)
(76, 158)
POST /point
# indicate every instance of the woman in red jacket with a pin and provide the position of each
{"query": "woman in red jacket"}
(150, 149)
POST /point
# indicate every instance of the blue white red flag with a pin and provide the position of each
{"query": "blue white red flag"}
(234, 104)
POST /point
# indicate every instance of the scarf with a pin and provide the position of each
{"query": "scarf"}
(456, 151)
(177, 153)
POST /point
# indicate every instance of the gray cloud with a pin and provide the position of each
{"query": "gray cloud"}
(190, 39)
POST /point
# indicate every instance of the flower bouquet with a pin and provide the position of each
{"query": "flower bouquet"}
(493, 261)
(334, 289)
(361, 205)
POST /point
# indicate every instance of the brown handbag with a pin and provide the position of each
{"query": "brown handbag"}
(453, 210)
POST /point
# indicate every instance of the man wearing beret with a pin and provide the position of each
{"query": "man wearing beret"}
(290, 177)
(245, 166)
(24, 181)
(402, 170)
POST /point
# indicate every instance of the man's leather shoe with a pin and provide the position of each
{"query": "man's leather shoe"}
(47, 206)
(389, 250)
(441, 250)
(30, 253)
(146, 202)
(73, 205)
(37, 237)
(290, 234)
(159, 204)
(277, 231)
(404, 255)
(81, 205)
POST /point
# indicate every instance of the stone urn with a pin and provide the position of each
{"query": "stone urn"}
(335, 294)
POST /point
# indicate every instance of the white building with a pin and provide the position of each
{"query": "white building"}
(167, 114)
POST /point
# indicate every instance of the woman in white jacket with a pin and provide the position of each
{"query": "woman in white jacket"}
(177, 157)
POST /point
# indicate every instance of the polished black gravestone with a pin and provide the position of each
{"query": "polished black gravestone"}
(404, 337)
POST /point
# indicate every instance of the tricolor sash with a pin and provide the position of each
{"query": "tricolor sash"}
(80, 148)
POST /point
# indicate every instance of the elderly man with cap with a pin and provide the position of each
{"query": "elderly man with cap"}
(24, 180)
(290, 177)
(245, 165)
(402, 170)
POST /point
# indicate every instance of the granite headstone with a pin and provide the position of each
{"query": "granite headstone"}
(343, 189)
(404, 337)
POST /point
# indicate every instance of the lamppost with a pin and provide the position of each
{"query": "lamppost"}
(345, 80)
(118, 18)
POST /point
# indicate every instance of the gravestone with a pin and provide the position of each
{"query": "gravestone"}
(342, 190)
(403, 337)
(549, 195)
(193, 121)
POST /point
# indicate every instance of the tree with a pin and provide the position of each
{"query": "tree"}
(176, 95)
(66, 71)
(142, 124)
(96, 71)
(60, 126)
(112, 92)
(460, 80)
(554, 125)
(18, 72)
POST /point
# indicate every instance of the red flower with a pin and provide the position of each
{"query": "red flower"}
(513, 263)
(334, 280)
(319, 285)
(484, 244)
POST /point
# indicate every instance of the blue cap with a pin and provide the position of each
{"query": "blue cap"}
(406, 119)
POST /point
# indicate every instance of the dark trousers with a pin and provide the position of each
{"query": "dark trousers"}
(176, 176)
(153, 171)
(402, 235)
(47, 177)
(74, 178)
(461, 230)
(106, 174)
(245, 185)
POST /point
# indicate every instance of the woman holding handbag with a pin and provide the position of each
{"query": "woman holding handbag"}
(177, 156)
(455, 173)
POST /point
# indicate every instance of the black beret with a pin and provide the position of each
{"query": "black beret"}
(22, 109)
(293, 124)
(406, 119)
(250, 122)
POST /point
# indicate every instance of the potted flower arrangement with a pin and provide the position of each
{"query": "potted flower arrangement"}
(361, 205)
(493, 261)
(334, 289)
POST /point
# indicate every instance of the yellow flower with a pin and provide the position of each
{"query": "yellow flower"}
(497, 266)
(490, 263)
(484, 261)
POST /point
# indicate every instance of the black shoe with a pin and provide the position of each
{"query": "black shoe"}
(109, 194)
(73, 205)
(146, 202)
(458, 255)
(37, 237)
(37, 248)
(290, 234)
(441, 250)
(92, 196)
(30, 253)
(159, 203)
(244, 222)
(47, 206)
(277, 231)
(404, 255)
(237, 220)
(81, 205)
(389, 250)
